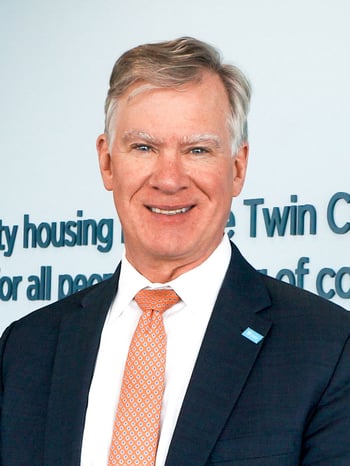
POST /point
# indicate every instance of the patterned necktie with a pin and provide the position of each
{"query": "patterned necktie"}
(137, 422)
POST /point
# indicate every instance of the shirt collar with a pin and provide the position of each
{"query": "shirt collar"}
(198, 285)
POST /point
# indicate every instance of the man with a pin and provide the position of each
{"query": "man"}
(257, 372)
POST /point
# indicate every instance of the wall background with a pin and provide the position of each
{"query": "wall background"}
(55, 61)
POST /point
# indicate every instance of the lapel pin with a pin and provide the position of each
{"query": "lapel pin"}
(252, 335)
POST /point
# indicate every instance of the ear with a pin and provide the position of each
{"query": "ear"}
(240, 162)
(105, 161)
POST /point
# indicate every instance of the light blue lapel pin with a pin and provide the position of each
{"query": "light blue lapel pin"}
(252, 335)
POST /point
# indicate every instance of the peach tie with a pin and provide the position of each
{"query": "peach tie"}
(137, 422)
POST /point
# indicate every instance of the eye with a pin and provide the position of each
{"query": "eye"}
(142, 147)
(199, 150)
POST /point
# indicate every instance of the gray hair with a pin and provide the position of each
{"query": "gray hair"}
(172, 64)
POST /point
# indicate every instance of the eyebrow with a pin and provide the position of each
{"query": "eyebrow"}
(193, 139)
(135, 134)
(202, 138)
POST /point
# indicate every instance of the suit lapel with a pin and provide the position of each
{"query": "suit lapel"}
(223, 364)
(77, 347)
(222, 367)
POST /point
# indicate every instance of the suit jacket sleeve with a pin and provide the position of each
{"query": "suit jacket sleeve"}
(327, 437)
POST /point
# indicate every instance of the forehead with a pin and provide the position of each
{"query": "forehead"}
(202, 103)
(208, 84)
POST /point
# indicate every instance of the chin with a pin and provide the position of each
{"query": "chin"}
(169, 249)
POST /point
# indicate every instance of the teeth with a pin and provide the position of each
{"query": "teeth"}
(155, 210)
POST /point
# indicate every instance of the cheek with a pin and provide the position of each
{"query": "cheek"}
(222, 182)
(127, 183)
(122, 176)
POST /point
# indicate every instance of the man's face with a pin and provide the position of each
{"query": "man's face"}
(172, 173)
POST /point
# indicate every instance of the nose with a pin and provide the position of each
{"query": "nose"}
(169, 173)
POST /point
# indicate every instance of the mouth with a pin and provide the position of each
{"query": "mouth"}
(178, 211)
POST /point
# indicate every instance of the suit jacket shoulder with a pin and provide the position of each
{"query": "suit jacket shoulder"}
(271, 385)
(47, 363)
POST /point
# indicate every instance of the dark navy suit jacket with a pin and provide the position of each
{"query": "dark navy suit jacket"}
(284, 401)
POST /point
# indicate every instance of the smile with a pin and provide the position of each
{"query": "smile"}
(183, 210)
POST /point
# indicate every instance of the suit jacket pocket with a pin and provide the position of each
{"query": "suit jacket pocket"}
(258, 447)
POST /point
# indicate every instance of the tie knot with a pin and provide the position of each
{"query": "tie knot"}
(156, 300)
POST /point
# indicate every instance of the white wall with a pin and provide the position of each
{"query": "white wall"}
(55, 61)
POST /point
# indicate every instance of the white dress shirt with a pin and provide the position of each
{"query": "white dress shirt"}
(185, 324)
